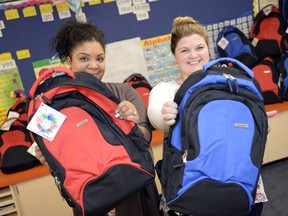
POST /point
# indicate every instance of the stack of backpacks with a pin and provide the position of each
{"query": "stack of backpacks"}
(15, 140)
(264, 49)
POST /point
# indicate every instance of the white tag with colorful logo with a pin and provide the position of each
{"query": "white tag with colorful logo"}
(46, 122)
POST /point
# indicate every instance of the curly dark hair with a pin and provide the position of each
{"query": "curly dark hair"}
(73, 33)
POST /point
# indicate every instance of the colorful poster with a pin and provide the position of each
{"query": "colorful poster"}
(161, 65)
(10, 84)
(45, 64)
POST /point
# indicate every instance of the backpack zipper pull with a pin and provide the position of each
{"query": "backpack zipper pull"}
(228, 81)
(235, 82)
(280, 80)
(184, 159)
(58, 184)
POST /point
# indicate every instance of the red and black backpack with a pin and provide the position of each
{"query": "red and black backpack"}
(268, 32)
(96, 159)
(15, 142)
(267, 75)
(141, 85)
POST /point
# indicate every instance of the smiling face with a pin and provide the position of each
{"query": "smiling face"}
(191, 54)
(88, 57)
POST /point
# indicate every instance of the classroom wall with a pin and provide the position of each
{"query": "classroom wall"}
(31, 33)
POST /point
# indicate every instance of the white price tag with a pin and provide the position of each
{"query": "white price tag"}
(46, 122)
(31, 149)
(254, 41)
(12, 116)
(223, 43)
(267, 9)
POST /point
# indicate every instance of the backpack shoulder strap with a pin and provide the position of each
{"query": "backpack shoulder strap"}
(197, 75)
(92, 82)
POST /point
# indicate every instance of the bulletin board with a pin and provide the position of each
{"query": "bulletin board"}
(31, 35)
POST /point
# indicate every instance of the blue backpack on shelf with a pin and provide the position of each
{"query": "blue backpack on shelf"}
(233, 43)
(213, 154)
(283, 8)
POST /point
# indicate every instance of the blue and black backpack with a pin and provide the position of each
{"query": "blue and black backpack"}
(283, 8)
(233, 43)
(213, 154)
(283, 75)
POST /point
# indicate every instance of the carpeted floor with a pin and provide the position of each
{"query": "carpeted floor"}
(275, 179)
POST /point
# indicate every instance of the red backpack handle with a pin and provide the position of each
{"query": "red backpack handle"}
(43, 76)
(48, 74)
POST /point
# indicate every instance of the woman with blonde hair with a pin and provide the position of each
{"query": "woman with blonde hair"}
(189, 45)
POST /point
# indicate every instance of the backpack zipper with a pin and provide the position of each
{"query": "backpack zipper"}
(235, 83)
(230, 78)
(228, 81)
(58, 184)
(184, 159)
